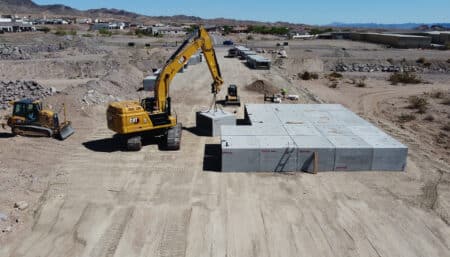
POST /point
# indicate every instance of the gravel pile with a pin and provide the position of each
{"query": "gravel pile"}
(25, 52)
(16, 90)
(263, 87)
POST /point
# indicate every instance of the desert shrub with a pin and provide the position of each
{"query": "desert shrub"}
(390, 60)
(105, 32)
(334, 84)
(441, 138)
(250, 37)
(44, 29)
(308, 75)
(419, 103)
(424, 61)
(406, 118)
(88, 35)
(273, 30)
(446, 101)
(141, 33)
(446, 127)
(405, 78)
(438, 94)
(336, 75)
(361, 82)
(60, 32)
(72, 32)
(429, 117)
(421, 60)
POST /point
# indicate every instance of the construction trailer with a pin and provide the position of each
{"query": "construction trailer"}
(258, 62)
(237, 51)
(308, 137)
(245, 54)
(437, 37)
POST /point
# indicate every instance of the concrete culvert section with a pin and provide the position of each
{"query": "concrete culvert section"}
(293, 137)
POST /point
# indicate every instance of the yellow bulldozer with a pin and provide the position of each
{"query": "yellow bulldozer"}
(30, 119)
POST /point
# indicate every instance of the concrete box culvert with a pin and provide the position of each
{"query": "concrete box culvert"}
(210, 122)
(343, 141)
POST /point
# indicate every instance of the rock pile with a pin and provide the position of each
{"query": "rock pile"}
(13, 53)
(358, 67)
(15, 90)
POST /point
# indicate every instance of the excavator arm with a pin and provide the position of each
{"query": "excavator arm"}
(200, 39)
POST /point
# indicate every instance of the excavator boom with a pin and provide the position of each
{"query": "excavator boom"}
(200, 39)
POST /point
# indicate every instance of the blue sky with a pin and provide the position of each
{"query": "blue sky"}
(309, 12)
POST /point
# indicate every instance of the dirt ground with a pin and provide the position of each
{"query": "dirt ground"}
(87, 197)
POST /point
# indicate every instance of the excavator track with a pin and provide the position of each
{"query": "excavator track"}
(134, 143)
(32, 131)
(173, 137)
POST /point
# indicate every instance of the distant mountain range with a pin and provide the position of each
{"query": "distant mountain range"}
(400, 26)
(28, 7)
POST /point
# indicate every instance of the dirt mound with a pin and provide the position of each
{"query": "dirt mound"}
(263, 87)
(14, 90)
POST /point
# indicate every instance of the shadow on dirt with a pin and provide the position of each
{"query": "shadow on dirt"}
(212, 158)
(196, 131)
(110, 145)
(6, 135)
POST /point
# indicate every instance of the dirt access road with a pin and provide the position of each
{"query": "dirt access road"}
(104, 202)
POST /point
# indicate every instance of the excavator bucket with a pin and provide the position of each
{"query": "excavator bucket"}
(66, 131)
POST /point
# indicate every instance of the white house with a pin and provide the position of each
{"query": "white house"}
(173, 31)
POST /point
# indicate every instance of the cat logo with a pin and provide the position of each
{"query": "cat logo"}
(134, 120)
(182, 60)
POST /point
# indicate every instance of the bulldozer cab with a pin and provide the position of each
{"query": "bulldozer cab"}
(27, 109)
(232, 90)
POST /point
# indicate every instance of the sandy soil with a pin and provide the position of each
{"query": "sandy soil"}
(88, 198)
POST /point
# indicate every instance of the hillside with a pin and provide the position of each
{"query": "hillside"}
(28, 7)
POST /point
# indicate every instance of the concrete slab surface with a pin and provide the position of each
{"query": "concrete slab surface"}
(343, 140)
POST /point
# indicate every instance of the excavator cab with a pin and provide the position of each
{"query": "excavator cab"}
(149, 104)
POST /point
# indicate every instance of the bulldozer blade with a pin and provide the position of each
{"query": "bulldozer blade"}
(66, 132)
(238, 103)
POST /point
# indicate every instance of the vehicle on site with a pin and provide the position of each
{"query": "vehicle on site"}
(152, 116)
(275, 98)
(228, 43)
(30, 119)
(232, 97)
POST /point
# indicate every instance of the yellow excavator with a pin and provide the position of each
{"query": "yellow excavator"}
(133, 120)
(30, 119)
